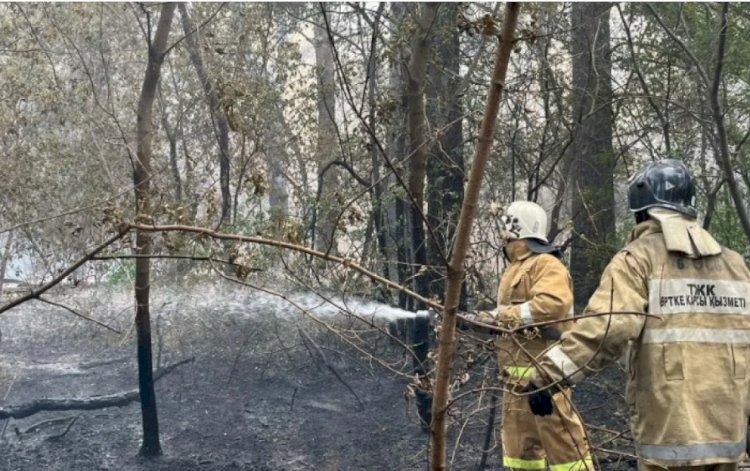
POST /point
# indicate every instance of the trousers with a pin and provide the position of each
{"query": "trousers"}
(556, 442)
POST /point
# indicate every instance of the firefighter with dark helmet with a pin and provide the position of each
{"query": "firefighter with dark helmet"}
(535, 287)
(687, 354)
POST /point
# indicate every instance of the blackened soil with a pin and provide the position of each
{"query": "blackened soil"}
(257, 396)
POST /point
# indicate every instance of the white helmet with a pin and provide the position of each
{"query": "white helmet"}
(524, 220)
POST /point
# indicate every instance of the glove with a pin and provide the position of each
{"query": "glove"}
(486, 317)
(482, 316)
(506, 319)
(540, 402)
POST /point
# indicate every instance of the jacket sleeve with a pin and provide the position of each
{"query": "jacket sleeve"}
(593, 342)
(550, 295)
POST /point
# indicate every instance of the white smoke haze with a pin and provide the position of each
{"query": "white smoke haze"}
(197, 307)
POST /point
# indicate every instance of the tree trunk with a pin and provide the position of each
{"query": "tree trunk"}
(377, 192)
(445, 174)
(447, 340)
(415, 101)
(593, 159)
(142, 180)
(328, 176)
(276, 139)
(218, 117)
(394, 211)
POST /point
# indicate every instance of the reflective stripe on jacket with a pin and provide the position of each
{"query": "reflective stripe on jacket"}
(534, 288)
(687, 370)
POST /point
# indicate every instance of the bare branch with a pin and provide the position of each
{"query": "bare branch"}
(286, 245)
(78, 314)
(35, 294)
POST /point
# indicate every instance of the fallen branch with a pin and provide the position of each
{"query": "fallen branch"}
(46, 423)
(5, 398)
(67, 429)
(21, 411)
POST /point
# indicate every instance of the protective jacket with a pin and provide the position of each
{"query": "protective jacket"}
(536, 288)
(687, 368)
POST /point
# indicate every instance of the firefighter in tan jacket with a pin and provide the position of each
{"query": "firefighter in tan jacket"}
(688, 367)
(535, 287)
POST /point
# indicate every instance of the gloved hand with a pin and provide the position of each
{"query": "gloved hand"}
(540, 401)
(506, 317)
(486, 317)
(482, 316)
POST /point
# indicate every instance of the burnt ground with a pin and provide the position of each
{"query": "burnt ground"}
(255, 398)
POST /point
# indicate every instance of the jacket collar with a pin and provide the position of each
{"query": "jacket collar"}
(645, 228)
(517, 251)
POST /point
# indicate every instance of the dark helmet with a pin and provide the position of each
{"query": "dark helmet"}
(663, 184)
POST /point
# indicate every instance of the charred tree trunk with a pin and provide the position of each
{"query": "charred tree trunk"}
(218, 117)
(415, 100)
(445, 174)
(395, 211)
(378, 185)
(593, 159)
(447, 341)
(142, 179)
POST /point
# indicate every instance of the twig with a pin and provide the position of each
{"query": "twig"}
(317, 320)
(322, 357)
(176, 257)
(348, 263)
(286, 245)
(5, 398)
(294, 395)
(44, 423)
(78, 314)
(35, 294)
(66, 212)
(238, 355)
(307, 345)
(70, 424)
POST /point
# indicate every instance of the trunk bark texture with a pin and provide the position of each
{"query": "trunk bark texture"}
(593, 160)
(416, 119)
(142, 180)
(394, 211)
(445, 174)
